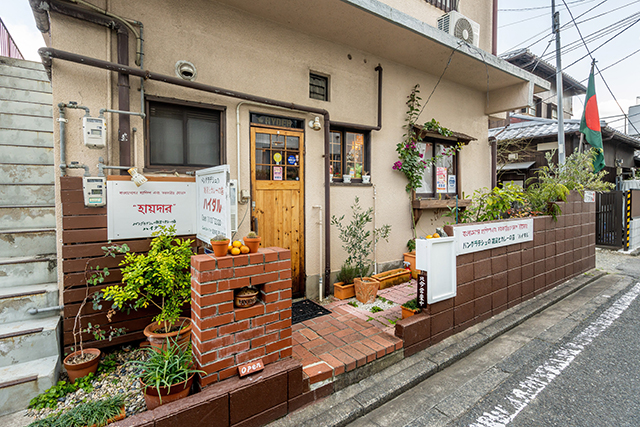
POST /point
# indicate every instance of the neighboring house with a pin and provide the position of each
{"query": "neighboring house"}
(523, 146)
(254, 79)
(544, 103)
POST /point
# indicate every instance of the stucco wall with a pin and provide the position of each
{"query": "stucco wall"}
(244, 53)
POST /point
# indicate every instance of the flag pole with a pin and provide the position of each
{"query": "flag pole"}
(556, 29)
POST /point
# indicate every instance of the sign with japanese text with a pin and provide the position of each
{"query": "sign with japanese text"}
(422, 290)
(213, 206)
(441, 180)
(482, 236)
(589, 196)
(135, 212)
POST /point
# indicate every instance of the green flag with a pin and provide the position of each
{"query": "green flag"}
(590, 124)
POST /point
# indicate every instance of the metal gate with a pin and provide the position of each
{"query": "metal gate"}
(610, 228)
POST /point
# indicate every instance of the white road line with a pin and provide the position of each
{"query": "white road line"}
(519, 398)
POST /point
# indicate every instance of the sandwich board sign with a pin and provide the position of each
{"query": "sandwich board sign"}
(213, 204)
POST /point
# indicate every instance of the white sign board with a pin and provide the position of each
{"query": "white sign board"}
(213, 204)
(482, 236)
(438, 258)
(590, 196)
(134, 212)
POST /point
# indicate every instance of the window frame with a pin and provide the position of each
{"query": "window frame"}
(366, 161)
(313, 74)
(456, 161)
(446, 5)
(148, 167)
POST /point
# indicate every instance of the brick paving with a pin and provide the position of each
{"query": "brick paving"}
(348, 338)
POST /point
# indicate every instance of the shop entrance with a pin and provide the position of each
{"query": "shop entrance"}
(277, 185)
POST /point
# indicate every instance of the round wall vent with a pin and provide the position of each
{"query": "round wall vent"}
(186, 70)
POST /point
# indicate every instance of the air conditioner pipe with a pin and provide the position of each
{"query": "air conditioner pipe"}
(34, 310)
(62, 120)
(47, 54)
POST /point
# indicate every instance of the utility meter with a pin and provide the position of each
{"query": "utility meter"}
(95, 191)
(94, 132)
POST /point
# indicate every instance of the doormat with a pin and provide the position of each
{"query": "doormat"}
(306, 310)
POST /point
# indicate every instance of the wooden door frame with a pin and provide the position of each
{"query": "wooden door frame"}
(252, 161)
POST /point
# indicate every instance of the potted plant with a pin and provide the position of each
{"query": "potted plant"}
(166, 374)
(161, 278)
(252, 240)
(84, 361)
(410, 308)
(366, 178)
(357, 241)
(346, 178)
(96, 413)
(344, 287)
(220, 245)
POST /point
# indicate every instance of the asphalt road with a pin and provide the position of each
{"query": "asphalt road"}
(575, 364)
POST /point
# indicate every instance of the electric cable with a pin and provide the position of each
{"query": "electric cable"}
(542, 7)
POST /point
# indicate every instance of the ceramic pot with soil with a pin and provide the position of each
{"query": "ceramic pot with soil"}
(179, 332)
(253, 243)
(153, 399)
(82, 363)
(220, 247)
(366, 289)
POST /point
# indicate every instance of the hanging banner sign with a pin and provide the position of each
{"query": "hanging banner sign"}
(134, 212)
(213, 213)
(483, 236)
(441, 180)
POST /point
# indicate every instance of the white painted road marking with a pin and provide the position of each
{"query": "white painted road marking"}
(527, 390)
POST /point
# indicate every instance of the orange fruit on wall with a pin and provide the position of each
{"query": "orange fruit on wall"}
(237, 243)
(235, 251)
(244, 249)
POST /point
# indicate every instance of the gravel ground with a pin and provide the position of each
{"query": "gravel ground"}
(608, 260)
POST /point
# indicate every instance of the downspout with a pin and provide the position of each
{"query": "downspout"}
(494, 29)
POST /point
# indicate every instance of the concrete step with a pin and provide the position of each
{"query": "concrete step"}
(27, 217)
(21, 383)
(28, 340)
(22, 63)
(27, 242)
(14, 121)
(26, 174)
(16, 301)
(20, 155)
(27, 270)
(25, 84)
(26, 108)
(29, 138)
(13, 94)
(36, 195)
(23, 72)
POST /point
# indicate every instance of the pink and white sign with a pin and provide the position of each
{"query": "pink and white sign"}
(213, 206)
(134, 212)
(482, 236)
(441, 180)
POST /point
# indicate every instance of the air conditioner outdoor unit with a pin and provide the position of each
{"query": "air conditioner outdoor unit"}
(233, 199)
(460, 26)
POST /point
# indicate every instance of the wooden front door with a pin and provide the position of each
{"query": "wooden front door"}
(277, 185)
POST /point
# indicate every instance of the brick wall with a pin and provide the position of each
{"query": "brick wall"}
(491, 281)
(224, 336)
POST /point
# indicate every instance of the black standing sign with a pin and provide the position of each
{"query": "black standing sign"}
(422, 289)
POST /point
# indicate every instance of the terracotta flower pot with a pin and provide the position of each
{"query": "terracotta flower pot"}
(167, 394)
(366, 289)
(392, 277)
(253, 243)
(408, 312)
(342, 291)
(159, 339)
(80, 370)
(220, 247)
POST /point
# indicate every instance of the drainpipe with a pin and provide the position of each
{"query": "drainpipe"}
(62, 120)
(320, 281)
(375, 242)
(494, 29)
(47, 54)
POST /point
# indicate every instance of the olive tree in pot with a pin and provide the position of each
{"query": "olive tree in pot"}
(358, 241)
(160, 278)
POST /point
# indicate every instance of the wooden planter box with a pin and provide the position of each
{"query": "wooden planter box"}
(393, 277)
(410, 257)
(342, 291)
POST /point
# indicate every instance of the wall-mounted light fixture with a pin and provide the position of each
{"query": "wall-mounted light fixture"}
(315, 124)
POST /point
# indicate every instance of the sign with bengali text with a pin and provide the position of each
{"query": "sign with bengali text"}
(134, 212)
(482, 236)
(213, 206)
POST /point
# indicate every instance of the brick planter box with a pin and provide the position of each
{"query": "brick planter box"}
(493, 280)
(225, 336)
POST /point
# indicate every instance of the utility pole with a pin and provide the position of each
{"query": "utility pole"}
(556, 29)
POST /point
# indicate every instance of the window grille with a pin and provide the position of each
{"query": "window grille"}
(446, 5)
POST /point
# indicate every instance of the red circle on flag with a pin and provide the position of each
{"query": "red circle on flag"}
(591, 114)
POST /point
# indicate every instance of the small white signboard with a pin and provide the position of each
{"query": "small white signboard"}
(590, 196)
(213, 205)
(482, 236)
(134, 212)
(438, 258)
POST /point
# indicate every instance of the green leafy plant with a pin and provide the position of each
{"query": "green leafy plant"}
(353, 304)
(90, 413)
(411, 245)
(376, 309)
(346, 274)
(49, 399)
(252, 235)
(412, 304)
(393, 322)
(100, 334)
(498, 203)
(357, 239)
(167, 366)
(218, 237)
(160, 277)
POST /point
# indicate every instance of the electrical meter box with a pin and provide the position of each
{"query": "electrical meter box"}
(95, 191)
(94, 132)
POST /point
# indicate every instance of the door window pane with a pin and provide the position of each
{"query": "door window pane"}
(335, 153)
(355, 154)
(263, 140)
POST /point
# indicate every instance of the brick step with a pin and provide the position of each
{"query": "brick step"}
(27, 217)
(22, 382)
(16, 301)
(27, 340)
(27, 242)
(29, 270)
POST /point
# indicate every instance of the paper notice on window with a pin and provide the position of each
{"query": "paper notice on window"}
(277, 173)
(451, 184)
(441, 180)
